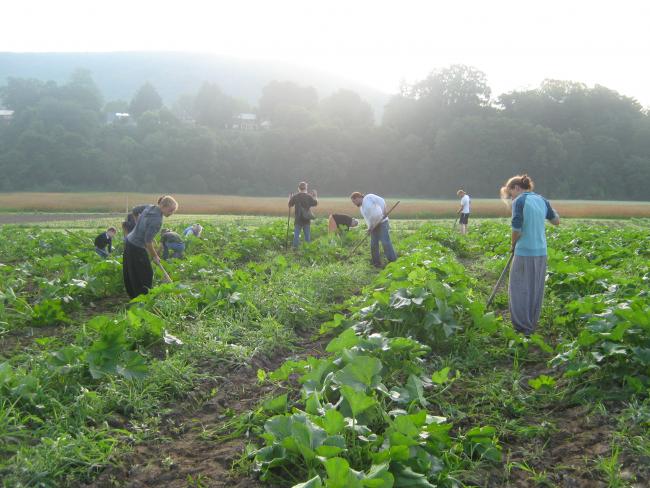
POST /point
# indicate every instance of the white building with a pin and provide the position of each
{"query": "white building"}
(6, 116)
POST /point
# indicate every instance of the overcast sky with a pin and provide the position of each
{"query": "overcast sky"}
(517, 43)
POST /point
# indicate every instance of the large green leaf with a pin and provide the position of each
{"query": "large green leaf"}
(347, 339)
(315, 482)
(362, 372)
(339, 474)
(359, 402)
(379, 476)
(132, 365)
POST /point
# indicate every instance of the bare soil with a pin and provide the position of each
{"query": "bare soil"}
(568, 458)
(182, 455)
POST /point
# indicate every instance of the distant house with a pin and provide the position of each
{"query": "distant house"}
(118, 118)
(244, 122)
(6, 116)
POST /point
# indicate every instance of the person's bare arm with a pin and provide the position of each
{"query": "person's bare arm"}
(555, 220)
(513, 241)
(152, 252)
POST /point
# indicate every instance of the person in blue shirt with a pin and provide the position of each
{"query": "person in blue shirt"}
(528, 244)
(193, 230)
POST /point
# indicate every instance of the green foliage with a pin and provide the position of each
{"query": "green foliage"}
(446, 127)
(370, 393)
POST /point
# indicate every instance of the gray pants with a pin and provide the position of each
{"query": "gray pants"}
(526, 291)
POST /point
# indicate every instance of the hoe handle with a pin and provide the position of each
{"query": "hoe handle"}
(361, 241)
(500, 280)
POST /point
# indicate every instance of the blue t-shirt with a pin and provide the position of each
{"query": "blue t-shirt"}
(529, 210)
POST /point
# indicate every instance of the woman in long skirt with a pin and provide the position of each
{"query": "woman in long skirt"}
(138, 249)
(528, 271)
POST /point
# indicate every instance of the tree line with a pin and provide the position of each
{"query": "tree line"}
(439, 134)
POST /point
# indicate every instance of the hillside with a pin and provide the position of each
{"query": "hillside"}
(119, 74)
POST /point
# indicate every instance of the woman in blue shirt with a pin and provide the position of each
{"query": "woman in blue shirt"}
(528, 271)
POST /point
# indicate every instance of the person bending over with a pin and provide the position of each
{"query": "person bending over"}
(336, 221)
(193, 230)
(171, 240)
(138, 249)
(131, 219)
(104, 242)
(373, 209)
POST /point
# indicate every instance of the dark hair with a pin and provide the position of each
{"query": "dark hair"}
(356, 194)
(129, 224)
(524, 182)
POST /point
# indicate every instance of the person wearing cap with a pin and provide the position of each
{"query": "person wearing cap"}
(373, 209)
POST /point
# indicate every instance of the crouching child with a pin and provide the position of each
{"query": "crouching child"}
(104, 242)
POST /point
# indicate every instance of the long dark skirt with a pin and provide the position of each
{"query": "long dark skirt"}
(526, 291)
(137, 270)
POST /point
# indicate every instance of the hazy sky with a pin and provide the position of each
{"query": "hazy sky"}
(517, 43)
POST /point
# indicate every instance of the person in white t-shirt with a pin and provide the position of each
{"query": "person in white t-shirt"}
(464, 210)
(373, 209)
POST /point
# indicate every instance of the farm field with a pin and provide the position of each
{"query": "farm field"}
(47, 203)
(262, 367)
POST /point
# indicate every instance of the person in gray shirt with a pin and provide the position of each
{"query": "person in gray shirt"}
(138, 249)
(171, 240)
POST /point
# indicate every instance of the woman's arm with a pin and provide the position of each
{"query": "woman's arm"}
(152, 252)
(513, 240)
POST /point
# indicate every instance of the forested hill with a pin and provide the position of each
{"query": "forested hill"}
(441, 133)
(119, 74)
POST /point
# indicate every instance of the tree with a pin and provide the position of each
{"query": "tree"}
(347, 110)
(442, 97)
(81, 89)
(460, 89)
(212, 107)
(145, 99)
(20, 93)
(286, 96)
(116, 106)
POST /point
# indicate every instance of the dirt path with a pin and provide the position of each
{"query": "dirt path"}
(559, 444)
(183, 454)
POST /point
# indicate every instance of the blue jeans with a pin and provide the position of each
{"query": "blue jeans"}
(177, 247)
(101, 252)
(296, 233)
(380, 234)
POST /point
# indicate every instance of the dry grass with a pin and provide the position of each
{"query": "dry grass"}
(237, 205)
